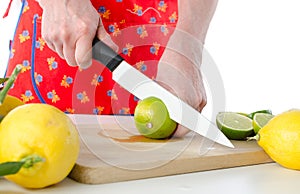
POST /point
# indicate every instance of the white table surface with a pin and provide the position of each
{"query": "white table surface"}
(249, 37)
(264, 178)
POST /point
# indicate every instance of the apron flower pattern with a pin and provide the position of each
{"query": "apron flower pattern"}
(141, 30)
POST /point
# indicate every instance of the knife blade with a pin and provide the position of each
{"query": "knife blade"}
(142, 87)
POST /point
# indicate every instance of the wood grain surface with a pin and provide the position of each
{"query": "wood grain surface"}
(113, 151)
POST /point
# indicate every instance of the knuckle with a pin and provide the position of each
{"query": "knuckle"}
(64, 34)
(82, 25)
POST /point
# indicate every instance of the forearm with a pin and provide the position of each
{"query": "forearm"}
(194, 16)
(64, 2)
(186, 42)
(69, 6)
(45, 3)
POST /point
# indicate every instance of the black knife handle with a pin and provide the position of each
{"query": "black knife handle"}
(105, 55)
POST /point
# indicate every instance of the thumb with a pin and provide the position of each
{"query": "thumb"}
(105, 37)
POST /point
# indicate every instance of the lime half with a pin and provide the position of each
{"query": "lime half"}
(251, 115)
(260, 120)
(152, 119)
(234, 125)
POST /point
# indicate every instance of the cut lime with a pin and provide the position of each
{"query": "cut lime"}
(152, 119)
(234, 125)
(251, 115)
(242, 113)
(260, 120)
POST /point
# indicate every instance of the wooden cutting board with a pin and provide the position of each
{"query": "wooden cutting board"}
(113, 151)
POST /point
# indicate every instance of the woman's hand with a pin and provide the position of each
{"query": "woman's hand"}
(179, 67)
(69, 27)
(183, 78)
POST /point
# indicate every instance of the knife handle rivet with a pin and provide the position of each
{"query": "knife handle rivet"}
(149, 125)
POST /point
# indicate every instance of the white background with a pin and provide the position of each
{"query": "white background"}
(254, 43)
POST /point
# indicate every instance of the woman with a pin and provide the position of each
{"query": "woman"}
(53, 41)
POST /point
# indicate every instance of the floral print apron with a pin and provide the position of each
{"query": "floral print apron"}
(141, 30)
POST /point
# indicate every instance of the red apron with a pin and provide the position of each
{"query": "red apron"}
(141, 30)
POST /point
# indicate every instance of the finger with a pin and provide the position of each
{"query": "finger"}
(202, 104)
(54, 45)
(50, 45)
(59, 50)
(69, 54)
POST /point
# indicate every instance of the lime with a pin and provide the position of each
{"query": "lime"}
(251, 115)
(260, 120)
(152, 119)
(242, 113)
(234, 125)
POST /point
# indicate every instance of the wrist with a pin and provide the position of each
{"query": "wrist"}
(45, 3)
(42, 3)
(186, 45)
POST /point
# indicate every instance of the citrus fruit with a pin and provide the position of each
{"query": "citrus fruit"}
(280, 139)
(9, 103)
(152, 119)
(251, 115)
(242, 113)
(260, 120)
(234, 125)
(43, 131)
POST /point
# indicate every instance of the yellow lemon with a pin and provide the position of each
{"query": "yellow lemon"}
(9, 103)
(280, 138)
(152, 119)
(39, 130)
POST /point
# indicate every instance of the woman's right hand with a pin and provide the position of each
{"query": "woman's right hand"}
(69, 27)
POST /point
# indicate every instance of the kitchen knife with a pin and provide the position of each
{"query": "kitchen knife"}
(142, 87)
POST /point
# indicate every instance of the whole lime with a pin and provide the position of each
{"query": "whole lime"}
(152, 119)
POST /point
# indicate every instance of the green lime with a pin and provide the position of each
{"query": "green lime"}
(244, 114)
(234, 125)
(152, 119)
(260, 120)
(251, 115)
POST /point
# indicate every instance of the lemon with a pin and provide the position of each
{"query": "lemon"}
(280, 139)
(39, 130)
(9, 103)
(260, 120)
(152, 119)
(234, 125)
